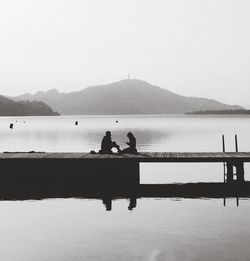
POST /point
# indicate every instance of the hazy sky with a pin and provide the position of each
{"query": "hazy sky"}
(194, 48)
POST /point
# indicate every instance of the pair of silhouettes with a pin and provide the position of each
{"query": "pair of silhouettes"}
(108, 144)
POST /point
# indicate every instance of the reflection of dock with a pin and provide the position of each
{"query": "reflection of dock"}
(157, 191)
(195, 190)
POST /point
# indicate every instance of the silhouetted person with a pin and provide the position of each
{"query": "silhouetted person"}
(132, 144)
(76, 123)
(108, 144)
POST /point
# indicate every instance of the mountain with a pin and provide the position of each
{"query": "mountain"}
(237, 112)
(9, 107)
(124, 97)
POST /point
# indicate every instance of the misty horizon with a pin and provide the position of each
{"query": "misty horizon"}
(198, 48)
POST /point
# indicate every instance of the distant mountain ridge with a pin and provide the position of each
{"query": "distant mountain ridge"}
(124, 97)
(235, 112)
(9, 107)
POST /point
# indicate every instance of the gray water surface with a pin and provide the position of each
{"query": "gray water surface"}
(157, 229)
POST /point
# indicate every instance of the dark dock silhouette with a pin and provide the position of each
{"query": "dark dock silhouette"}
(73, 173)
(111, 176)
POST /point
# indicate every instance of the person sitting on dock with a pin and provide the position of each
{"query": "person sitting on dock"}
(108, 144)
(132, 144)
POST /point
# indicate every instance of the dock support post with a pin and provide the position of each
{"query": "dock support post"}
(230, 173)
(240, 171)
(224, 163)
(236, 143)
(223, 143)
(239, 166)
(137, 172)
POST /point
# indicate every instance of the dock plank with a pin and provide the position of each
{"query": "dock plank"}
(141, 156)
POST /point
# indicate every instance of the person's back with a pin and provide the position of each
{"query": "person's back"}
(132, 142)
(107, 144)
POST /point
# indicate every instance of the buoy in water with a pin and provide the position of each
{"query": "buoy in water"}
(76, 123)
(11, 126)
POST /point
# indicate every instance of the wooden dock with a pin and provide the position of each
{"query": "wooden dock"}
(71, 173)
(140, 157)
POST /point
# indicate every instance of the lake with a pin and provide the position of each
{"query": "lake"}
(157, 228)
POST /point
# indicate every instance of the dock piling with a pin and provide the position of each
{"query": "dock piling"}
(229, 166)
(230, 172)
(223, 143)
(236, 143)
(240, 172)
(224, 163)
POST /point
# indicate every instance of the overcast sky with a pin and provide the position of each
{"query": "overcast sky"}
(194, 48)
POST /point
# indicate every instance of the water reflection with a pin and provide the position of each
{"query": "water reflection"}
(132, 203)
(154, 133)
(173, 191)
(137, 226)
(107, 202)
(63, 134)
(236, 199)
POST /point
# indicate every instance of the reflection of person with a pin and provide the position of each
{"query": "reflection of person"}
(108, 144)
(132, 203)
(132, 144)
(108, 203)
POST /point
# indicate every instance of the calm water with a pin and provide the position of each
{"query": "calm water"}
(157, 229)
